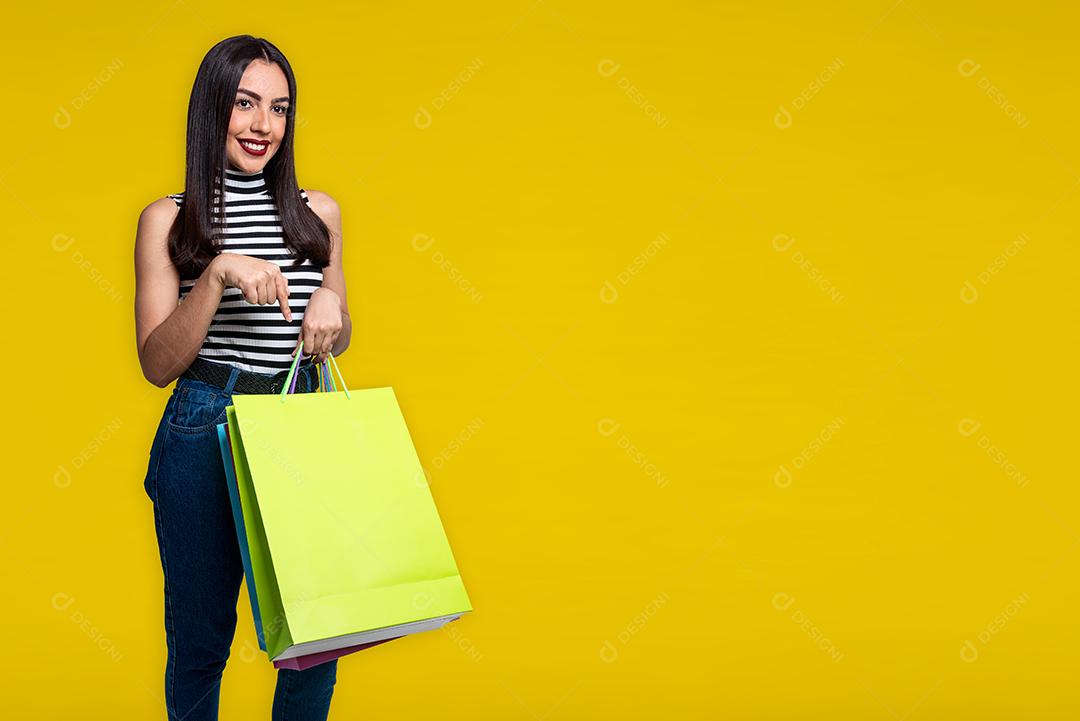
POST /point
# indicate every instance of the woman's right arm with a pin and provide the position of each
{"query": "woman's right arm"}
(169, 334)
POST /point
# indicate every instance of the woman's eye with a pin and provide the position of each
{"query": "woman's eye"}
(281, 110)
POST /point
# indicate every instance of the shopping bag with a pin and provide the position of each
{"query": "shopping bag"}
(299, 663)
(241, 528)
(343, 545)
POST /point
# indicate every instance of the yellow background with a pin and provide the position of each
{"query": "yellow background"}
(811, 461)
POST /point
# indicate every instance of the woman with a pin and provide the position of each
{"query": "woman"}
(221, 306)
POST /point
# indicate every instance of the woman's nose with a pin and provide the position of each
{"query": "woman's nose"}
(261, 122)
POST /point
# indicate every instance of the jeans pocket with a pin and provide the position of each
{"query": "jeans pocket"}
(198, 408)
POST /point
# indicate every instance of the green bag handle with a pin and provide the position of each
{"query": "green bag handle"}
(290, 380)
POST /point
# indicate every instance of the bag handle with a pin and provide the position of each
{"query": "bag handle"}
(326, 378)
(290, 380)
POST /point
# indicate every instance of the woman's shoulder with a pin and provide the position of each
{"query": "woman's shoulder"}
(160, 212)
(322, 203)
(151, 237)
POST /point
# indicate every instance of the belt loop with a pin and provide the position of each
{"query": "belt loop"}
(234, 373)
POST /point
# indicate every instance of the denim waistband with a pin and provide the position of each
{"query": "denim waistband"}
(227, 379)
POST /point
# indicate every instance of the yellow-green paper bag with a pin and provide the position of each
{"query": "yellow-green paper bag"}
(346, 543)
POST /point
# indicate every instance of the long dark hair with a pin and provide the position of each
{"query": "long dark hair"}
(192, 237)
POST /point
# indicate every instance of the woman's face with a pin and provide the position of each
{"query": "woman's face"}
(258, 117)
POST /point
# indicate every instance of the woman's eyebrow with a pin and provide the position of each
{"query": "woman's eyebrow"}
(259, 97)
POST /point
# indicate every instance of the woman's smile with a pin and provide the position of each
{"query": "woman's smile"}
(254, 147)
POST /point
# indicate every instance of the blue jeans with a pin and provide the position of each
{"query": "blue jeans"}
(200, 560)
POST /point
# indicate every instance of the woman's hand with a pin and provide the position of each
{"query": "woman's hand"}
(259, 280)
(322, 324)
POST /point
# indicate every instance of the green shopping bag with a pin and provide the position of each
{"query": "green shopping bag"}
(345, 543)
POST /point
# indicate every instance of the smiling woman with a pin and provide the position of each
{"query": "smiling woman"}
(257, 147)
(231, 275)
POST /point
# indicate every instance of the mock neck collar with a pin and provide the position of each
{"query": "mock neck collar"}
(239, 181)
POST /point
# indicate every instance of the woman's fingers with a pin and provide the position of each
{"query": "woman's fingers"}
(270, 293)
(250, 292)
(310, 340)
(260, 289)
(318, 341)
(327, 345)
(282, 288)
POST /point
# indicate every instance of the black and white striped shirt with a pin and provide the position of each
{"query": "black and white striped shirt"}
(249, 336)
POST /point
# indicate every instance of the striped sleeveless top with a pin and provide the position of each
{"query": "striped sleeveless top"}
(255, 337)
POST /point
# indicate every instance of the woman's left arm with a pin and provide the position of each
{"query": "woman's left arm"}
(333, 284)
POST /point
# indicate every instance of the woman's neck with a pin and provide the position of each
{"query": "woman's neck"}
(236, 171)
